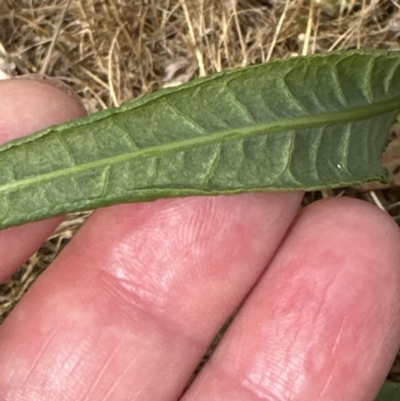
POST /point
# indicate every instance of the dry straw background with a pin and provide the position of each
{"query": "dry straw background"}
(111, 51)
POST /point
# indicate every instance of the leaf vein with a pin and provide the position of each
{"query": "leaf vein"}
(367, 79)
(183, 115)
(293, 97)
(388, 78)
(213, 165)
(106, 180)
(339, 89)
(241, 106)
(61, 139)
(122, 129)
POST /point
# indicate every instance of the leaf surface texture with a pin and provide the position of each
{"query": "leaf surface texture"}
(390, 391)
(302, 124)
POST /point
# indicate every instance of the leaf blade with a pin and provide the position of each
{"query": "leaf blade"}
(246, 130)
(390, 391)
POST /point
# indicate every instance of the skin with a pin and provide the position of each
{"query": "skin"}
(130, 306)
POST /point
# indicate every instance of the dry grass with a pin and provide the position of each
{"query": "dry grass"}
(115, 50)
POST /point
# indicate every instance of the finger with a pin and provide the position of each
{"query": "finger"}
(322, 323)
(130, 306)
(27, 106)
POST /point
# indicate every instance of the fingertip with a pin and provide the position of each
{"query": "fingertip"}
(31, 103)
(350, 207)
(359, 219)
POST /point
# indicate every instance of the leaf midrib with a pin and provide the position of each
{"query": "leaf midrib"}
(356, 114)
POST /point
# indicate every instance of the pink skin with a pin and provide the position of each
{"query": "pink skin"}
(128, 309)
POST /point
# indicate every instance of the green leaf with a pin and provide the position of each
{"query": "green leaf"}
(390, 391)
(300, 124)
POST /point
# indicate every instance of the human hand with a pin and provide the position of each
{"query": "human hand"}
(130, 306)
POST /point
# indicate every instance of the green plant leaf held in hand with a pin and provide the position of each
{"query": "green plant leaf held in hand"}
(390, 391)
(301, 124)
